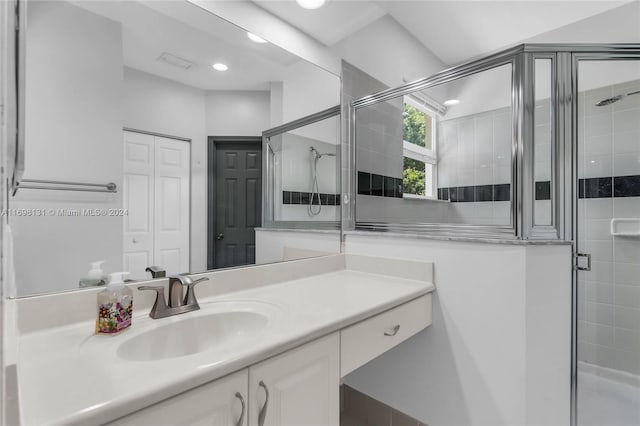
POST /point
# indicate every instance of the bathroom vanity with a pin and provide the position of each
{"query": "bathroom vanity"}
(269, 346)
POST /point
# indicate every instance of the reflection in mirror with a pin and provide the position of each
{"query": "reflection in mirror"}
(543, 144)
(303, 174)
(129, 93)
(438, 156)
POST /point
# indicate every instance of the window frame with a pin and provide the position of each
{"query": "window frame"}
(422, 154)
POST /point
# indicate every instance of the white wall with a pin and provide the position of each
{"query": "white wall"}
(498, 351)
(73, 133)
(237, 113)
(159, 105)
(388, 52)
(308, 89)
(155, 104)
(619, 25)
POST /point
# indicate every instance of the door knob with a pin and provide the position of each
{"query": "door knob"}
(220, 236)
(134, 241)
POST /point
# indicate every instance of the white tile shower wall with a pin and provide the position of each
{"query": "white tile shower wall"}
(294, 164)
(542, 158)
(609, 295)
(476, 150)
(379, 139)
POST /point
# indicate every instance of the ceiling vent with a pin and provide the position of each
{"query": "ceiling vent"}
(176, 61)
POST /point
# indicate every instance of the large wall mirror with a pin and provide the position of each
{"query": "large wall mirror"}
(124, 103)
(439, 157)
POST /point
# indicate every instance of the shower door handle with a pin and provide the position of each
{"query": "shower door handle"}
(220, 236)
(583, 255)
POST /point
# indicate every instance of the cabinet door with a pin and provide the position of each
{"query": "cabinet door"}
(213, 404)
(302, 386)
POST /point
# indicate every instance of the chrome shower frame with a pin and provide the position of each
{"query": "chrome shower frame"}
(268, 192)
(564, 174)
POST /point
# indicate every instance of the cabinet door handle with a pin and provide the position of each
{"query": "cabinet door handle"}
(393, 331)
(241, 419)
(263, 410)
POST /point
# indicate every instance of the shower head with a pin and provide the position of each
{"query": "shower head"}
(615, 99)
(317, 155)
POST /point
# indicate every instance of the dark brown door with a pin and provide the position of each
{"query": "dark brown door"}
(236, 203)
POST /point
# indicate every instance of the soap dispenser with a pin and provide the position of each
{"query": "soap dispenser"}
(115, 306)
(95, 277)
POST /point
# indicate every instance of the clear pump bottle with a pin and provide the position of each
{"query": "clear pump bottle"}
(95, 277)
(115, 306)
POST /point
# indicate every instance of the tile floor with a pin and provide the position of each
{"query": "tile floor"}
(362, 410)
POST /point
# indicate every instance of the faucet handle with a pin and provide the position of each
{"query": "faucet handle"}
(190, 298)
(156, 271)
(160, 305)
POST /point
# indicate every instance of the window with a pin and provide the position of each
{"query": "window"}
(419, 150)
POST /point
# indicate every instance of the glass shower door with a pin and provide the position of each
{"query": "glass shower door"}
(608, 218)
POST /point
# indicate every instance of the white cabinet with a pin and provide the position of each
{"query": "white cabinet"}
(220, 403)
(302, 385)
(362, 342)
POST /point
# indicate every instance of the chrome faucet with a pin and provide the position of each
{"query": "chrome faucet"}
(179, 302)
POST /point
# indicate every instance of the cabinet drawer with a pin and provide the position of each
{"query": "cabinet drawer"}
(365, 340)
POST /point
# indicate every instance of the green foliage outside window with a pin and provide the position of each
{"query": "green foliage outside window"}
(413, 178)
(413, 125)
(413, 128)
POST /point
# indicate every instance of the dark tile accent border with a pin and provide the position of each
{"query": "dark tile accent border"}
(602, 187)
(469, 194)
(293, 197)
(364, 183)
(543, 190)
(626, 186)
(607, 187)
(379, 185)
(596, 187)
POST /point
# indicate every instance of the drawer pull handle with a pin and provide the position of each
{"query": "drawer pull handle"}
(393, 331)
(263, 411)
(241, 419)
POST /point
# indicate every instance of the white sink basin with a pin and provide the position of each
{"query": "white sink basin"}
(192, 333)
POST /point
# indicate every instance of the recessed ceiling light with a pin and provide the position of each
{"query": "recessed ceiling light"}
(220, 67)
(451, 102)
(311, 4)
(255, 38)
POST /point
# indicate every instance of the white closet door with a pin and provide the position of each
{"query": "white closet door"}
(171, 224)
(138, 196)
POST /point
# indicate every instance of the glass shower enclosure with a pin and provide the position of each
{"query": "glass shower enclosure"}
(567, 169)
(301, 173)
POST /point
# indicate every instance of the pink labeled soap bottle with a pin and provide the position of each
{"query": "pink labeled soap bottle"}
(115, 306)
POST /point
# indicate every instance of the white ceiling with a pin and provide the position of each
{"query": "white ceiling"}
(150, 28)
(455, 31)
(331, 23)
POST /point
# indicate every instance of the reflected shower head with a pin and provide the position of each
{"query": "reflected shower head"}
(615, 99)
(317, 155)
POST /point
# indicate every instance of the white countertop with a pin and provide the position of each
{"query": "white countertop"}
(67, 375)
